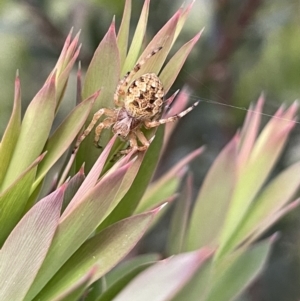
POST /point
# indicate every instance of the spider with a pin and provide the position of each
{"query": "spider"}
(138, 103)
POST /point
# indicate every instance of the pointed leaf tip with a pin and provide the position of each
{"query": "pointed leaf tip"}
(112, 27)
(71, 31)
(81, 170)
(42, 156)
(63, 187)
(159, 208)
(274, 237)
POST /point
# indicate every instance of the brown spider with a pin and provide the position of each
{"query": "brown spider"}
(139, 103)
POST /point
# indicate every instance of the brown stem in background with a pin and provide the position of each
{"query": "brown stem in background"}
(49, 31)
(230, 27)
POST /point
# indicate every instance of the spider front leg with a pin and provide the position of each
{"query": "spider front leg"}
(105, 124)
(96, 117)
(155, 123)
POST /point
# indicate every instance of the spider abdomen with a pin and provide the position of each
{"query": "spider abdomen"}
(144, 99)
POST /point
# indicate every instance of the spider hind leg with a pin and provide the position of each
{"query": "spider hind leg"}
(155, 123)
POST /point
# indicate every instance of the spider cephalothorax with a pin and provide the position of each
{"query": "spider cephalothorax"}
(138, 103)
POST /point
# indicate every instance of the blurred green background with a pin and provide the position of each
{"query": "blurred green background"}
(248, 46)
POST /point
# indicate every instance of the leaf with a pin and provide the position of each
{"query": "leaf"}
(267, 204)
(173, 67)
(247, 264)
(77, 224)
(123, 34)
(166, 185)
(103, 73)
(11, 133)
(137, 39)
(179, 221)
(131, 199)
(72, 188)
(103, 251)
(25, 249)
(164, 39)
(199, 284)
(182, 19)
(92, 177)
(254, 172)
(113, 290)
(64, 64)
(177, 107)
(129, 265)
(250, 130)
(75, 291)
(213, 199)
(36, 126)
(14, 199)
(61, 139)
(166, 277)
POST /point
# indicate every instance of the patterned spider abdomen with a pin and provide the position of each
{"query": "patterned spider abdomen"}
(144, 99)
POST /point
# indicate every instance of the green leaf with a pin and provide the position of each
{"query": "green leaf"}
(179, 221)
(77, 224)
(254, 172)
(72, 188)
(166, 185)
(25, 249)
(235, 272)
(267, 204)
(14, 200)
(125, 275)
(198, 287)
(164, 39)
(92, 177)
(166, 277)
(35, 129)
(250, 130)
(183, 16)
(123, 34)
(61, 139)
(11, 133)
(173, 67)
(102, 251)
(137, 39)
(64, 64)
(212, 204)
(131, 199)
(95, 290)
(75, 291)
(103, 73)
(126, 267)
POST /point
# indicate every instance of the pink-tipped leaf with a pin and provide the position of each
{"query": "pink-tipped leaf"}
(26, 247)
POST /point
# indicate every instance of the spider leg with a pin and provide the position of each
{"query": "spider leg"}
(155, 123)
(132, 144)
(138, 66)
(133, 136)
(106, 123)
(140, 135)
(96, 117)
